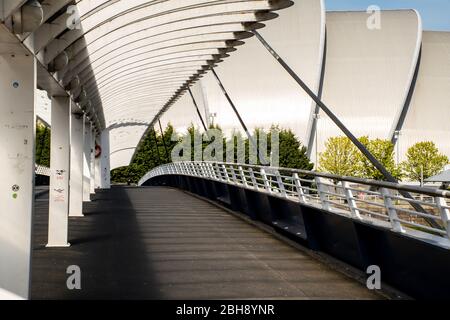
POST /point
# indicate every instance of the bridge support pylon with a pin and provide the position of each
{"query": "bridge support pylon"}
(87, 162)
(97, 177)
(105, 166)
(92, 162)
(17, 132)
(58, 222)
(76, 165)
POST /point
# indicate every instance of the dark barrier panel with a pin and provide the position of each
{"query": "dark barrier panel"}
(210, 189)
(415, 267)
(222, 194)
(41, 180)
(198, 186)
(238, 200)
(287, 217)
(259, 206)
(333, 234)
(418, 268)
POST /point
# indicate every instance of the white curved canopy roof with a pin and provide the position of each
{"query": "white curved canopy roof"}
(369, 72)
(265, 93)
(428, 117)
(128, 61)
(375, 80)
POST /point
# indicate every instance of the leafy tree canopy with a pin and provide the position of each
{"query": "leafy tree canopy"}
(341, 157)
(43, 145)
(423, 157)
(152, 151)
(383, 151)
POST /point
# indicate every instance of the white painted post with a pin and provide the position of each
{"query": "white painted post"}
(194, 169)
(17, 132)
(281, 185)
(58, 215)
(243, 178)
(392, 212)
(97, 176)
(299, 187)
(76, 165)
(217, 172)
(266, 181)
(322, 189)
(211, 172)
(225, 173)
(351, 200)
(202, 170)
(92, 162)
(445, 213)
(183, 168)
(87, 163)
(105, 161)
(233, 175)
(253, 178)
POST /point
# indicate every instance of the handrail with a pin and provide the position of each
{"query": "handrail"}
(42, 171)
(362, 199)
(374, 183)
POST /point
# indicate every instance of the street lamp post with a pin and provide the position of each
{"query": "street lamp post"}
(317, 118)
(397, 135)
(213, 116)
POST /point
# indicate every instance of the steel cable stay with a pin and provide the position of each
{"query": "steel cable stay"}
(389, 177)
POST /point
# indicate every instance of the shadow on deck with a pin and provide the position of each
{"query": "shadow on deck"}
(161, 243)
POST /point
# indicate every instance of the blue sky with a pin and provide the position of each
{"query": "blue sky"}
(435, 13)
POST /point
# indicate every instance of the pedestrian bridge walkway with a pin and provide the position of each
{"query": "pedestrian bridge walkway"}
(163, 243)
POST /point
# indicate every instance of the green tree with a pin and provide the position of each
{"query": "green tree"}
(167, 143)
(423, 157)
(383, 151)
(119, 175)
(292, 153)
(236, 148)
(195, 136)
(150, 154)
(340, 157)
(43, 145)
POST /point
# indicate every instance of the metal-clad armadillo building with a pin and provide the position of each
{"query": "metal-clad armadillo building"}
(388, 82)
(428, 116)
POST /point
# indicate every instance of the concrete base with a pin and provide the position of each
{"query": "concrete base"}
(58, 246)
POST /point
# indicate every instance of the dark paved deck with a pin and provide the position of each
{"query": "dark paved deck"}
(158, 243)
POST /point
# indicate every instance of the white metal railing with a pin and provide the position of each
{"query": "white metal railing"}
(43, 171)
(391, 205)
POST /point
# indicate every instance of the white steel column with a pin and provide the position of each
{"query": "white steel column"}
(97, 179)
(87, 163)
(17, 136)
(92, 162)
(58, 220)
(105, 167)
(76, 165)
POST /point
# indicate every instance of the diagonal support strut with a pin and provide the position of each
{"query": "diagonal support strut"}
(164, 140)
(262, 158)
(198, 110)
(389, 177)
